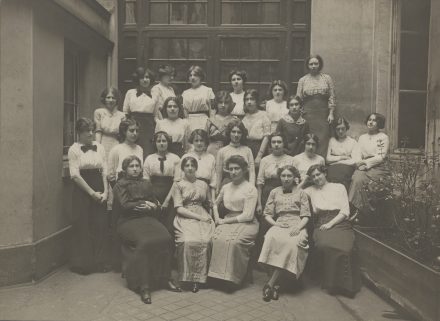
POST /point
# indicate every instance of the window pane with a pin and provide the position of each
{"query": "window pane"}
(297, 70)
(159, 48)
(230, 48)
(412, 120)
(159, 13)
(178, 49)
(415, 15)
(197, 13)
(299, 12)
(299, 48)
(249, 13)
(128, 47)
(413, 62)
(181, 71)
(270, 13)
(225, 68)
(250, 48)
(126, 69)
(253, 71)
(130, 12)
(231, 13)
(269, 49)
(179, 13)
(196, 48)
(269, 71)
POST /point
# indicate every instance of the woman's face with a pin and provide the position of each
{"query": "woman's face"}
(144, 82)
(278, 93)
(294, 108)
(132, 134)
(237, 83)
(161, 143)
(134, 169)
(195, 80)
(318, 178)
(236, 172)
(189, 169)
(236, 135)
(310, 147)
(341, 131)
(372, 123)
(287, 178)
(277, 145)
(199, 144)
(110, 101)
(250, 103)
(166, 80)
(313, 65)
(172, 110)
(223, 107)
(87, 136)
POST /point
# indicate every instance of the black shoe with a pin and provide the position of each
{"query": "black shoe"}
(195, 287)
(171, 286)
(146, 296)
(275, 293)
(267, 293)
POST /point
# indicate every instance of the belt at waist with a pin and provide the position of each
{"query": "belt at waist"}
(141, 114)
(322, 217)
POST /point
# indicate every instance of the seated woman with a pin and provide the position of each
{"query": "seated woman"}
(146, 243)
(193, 225)
(308, 158)
(285, 244)
(234, 235)
(333, 235)
(370, 156)
(340, 153)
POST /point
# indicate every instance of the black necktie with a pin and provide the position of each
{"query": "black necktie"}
(85, 148)
(162, 163)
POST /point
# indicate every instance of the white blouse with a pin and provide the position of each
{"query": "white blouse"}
(372, 149)
(205, 169)
(160, 93)
(275, 111)
(239, 198)
(257, 124)
(198, 100)
(79, 160)
(302, 162)
(108, 122)
(238, 99)
(117, 156)
(140, 104)
(332, 196)
(152, 165)
(337, 148)
(178, 129)
(269, 166)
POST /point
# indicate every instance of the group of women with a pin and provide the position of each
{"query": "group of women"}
(218, 179)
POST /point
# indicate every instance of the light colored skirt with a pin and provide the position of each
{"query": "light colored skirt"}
(231, 246)
(282, 250)
(109, 141)
(193, 245)
(197, 121)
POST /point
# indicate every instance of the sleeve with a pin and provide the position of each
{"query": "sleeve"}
(330, 157)
(73, 158)
(265, 126)
(211, 95)
(260, 177)
(122, 196)
(250, 202)
(97, 119)
(251, 167)
(126, 106)
(382, 145)
(305, 205)
(186, 135)
(354, 151)
(147, 170)
(357, 153)
(158, 127)
(155, 94)
(269, 208)
(343, 200)
(213, 181)
(113, 161)
(176, 170)
(220, 196)
(101, 151)
(332, 93)
(177, 196)
(300, 88)
(219, 161)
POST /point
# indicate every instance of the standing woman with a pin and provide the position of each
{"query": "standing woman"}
(309, 157)
(163, 89)
(341, 154)
(174, 124)
(216, 124)
(276, 107)
(197, 100)
(238, 79)
(88, 170)
(108, 118)
(318, 93)
(257, 123)
(193, 225)
(333, 235)
(140, 105)
(285, 244)
(236, 135)
(293, 127)
(146, 243)
(234, 235)
(370, 157)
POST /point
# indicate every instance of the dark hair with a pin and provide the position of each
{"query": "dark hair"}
(199, 132)
(280, 83)
(238, 160)
(321, 168)
(243, 129)
(275, 134)
(380, 120)
(164, 134)
(178, 101)
(198, 71)
(165, 70)
(225, 97)
(337, 122)
(291, 169)
(297, 98)
(320, 60)
(127, 161)
(140, 72)
(240, 73)
(84, 124)
(123, 127)
(313, 137)
(254, 94)
(189, 159)
(111, 90)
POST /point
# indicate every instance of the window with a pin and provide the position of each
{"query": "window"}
(71, 70)
(175, 12)
(250, 12)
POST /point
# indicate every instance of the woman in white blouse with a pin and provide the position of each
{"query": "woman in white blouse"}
(308, 158)
(340, 154)
(334, 255)
(140, 105)
(238, 79)
(276, 107)
(370, 155)
(88, 170)
(163, 89)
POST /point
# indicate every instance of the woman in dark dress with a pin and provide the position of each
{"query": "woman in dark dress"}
(88, 170)
(146, 243)
(334, 252)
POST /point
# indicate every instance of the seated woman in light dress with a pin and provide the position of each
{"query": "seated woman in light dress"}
(163, 89)
(308, 158)
(334, 253)
(235, 234)
(238, 79)
(340, 154)
(276, 107)
(285, 245)
(193, 225)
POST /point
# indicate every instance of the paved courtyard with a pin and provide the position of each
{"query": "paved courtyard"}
(104, 297)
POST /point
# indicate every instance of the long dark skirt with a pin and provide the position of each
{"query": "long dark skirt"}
(254, 145)
(316, 113)
(146, 251)
(335, 255)
(90, 231)
(162, 186)
(340, 173)
(146, 131)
